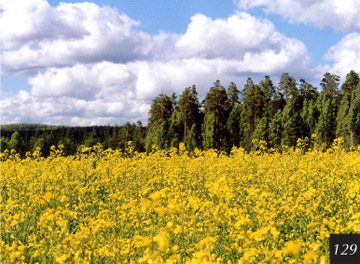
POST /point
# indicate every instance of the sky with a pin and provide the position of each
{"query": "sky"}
(103, 61)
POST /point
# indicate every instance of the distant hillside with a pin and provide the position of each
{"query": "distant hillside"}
(27, 127)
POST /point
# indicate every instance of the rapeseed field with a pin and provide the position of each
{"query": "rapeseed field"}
(178, 207)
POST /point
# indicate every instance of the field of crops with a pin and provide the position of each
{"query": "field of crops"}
(177, 207)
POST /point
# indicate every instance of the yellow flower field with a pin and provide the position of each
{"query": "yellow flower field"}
(177, 207)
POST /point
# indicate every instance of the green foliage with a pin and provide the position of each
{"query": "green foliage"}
(325, 127)
(15, 142)
(291, 123)
(275, 130)
(187, 117)
(226, 118)
(158, 133)
(330, 84)
(287, 86)
(216, 111)
(352, 80)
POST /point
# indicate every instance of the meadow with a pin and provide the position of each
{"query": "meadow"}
(105, 206)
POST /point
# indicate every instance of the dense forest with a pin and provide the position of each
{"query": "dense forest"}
(228, 117)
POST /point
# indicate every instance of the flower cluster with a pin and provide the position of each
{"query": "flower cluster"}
(178, 207)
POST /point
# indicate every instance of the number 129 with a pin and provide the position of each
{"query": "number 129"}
(352, 248)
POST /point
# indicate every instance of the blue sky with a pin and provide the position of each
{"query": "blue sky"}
(102, 62)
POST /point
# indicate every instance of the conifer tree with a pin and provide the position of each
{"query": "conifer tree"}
(347, 123)
(327, 105)
(325, 127)
(93, 138)
(309, 113)
(252, 109)
(287, 86)
(216, 110)
(187, 118)
(158, 131)
(269, 107)
(351, 82)
(291, 122)
(114, 141)
(330, 84)
(139, 137)
(233, 121)
(275, 129)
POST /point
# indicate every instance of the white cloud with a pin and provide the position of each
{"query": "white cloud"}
(70, 111)
(36, 36)
(104, 70)
(345, 55)
(342, 15)
(247, 44)
(227, 38)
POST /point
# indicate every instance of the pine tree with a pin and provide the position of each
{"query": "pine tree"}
(158, 132)
(354, 113)
(351, 81)
(327, 105)
(126, 135)
(348, 117)
(326, 125)
(269, 108)
(233, 121)
(139, 137)
(252, 110)
(275, 129)
(291, 122)
(310, 116)
(187, 117)
(287, 85)
(216, 113)
(330, 84)
(114, 141)
(107, 137)
(307, 91)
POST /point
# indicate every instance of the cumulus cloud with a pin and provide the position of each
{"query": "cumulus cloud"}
(36, 36)
(342, 15)
(247, 44)
(228, 38)
(24, 107)
(94, 65)
(345, 55)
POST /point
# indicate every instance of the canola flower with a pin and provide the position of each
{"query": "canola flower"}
(178, 207)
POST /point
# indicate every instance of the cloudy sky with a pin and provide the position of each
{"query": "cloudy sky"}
(102, 62)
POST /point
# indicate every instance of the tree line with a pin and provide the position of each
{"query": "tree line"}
(227, 117)
(29, 137)
(278, 114)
